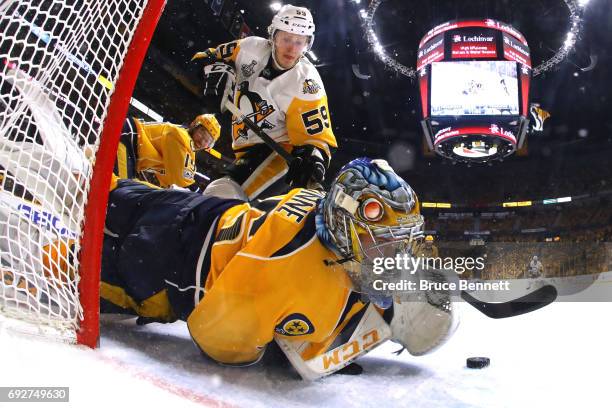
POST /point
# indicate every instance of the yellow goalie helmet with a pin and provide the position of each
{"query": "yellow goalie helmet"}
(371, 212)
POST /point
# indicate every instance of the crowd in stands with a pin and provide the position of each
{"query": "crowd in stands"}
(576, 223)
(569, 240)
(511, 260)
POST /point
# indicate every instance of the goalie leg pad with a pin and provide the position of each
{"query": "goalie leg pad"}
(370, 332)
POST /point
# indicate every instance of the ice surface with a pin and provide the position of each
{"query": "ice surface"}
(555, 357)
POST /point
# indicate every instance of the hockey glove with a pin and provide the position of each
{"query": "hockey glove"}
(308, 167)
(219, 80)
(424, 320)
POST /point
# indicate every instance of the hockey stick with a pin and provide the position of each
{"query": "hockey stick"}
(241, 117)
(525, 304)
(217, 155)
(201, 178)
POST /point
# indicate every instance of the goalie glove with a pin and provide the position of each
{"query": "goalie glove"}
(422, 321)
(219, 81)
(307, 168)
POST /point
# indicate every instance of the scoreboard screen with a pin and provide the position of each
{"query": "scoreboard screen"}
(473, 78)
(474, 88)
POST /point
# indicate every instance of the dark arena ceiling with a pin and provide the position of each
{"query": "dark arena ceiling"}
(375, 111)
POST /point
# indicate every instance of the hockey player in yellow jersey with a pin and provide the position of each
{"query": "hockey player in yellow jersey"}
(286, 268)
(272, 82)
(163, 153)
(427, 249)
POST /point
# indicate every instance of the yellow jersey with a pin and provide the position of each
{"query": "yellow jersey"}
(269, 275)
(238, 273)
(165, 154)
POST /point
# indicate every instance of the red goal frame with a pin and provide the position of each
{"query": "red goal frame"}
(95, 210)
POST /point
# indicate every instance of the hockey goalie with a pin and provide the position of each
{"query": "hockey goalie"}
(285, 268)
(292, 269)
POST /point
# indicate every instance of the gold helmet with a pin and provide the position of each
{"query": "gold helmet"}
(208, 122)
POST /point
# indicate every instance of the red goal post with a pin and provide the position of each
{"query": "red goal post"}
(68, 69)
(95, 212)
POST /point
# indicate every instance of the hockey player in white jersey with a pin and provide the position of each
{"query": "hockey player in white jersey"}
(282, 92)
(535, 267)
(534, 270)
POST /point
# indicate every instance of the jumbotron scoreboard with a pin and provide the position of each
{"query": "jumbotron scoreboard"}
(474, 78)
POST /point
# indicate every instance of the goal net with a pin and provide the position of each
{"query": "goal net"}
(67, 69)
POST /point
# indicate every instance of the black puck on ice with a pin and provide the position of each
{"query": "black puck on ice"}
(478, 362)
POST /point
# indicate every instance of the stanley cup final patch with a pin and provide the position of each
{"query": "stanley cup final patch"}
(296, 324)
(248, 69)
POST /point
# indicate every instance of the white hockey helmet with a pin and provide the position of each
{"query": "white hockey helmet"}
(295, 20)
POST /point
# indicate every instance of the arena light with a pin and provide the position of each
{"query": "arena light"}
(275, 6)
(575, 7)
(570, 40)
(436, 205)
(557, 200)
(517, 204)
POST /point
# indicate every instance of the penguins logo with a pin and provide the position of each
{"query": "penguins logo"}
(310, 86)
(260, 110)
(539, 117)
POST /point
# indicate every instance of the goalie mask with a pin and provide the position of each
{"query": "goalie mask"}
(370, 212)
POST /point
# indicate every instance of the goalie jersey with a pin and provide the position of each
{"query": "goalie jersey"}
(290, 106)
(238, 273)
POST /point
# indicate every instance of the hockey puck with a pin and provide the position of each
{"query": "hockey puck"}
(478, 362)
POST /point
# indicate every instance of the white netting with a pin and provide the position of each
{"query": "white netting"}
(58, 63)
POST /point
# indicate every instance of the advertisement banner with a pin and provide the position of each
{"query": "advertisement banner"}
(476, 43)
(493, 130)
(515, 51)
(431, 52)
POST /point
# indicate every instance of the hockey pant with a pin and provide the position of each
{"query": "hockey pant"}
(259, 172)
(154, 239)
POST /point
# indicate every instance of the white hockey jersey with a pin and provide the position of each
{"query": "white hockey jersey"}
(291, 107)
